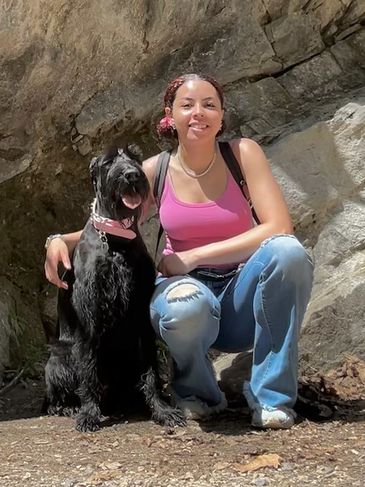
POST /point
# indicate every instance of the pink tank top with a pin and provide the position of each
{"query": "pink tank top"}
(191, 225)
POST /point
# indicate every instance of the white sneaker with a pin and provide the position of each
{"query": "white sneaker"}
(275, 418)
(195, 408)
(266, 416)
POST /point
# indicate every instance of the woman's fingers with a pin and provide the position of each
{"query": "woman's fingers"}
(57, 253)
(65, 258)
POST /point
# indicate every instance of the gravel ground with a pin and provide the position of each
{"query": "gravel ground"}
(226, 451)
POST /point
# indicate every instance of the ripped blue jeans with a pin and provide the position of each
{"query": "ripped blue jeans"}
(260, 307)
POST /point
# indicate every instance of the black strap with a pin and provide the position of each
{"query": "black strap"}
(158, 185)
(235, 168)
(160, 176)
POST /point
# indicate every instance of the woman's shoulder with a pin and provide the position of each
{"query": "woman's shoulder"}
(150, 163)
(247, 152)
(149, 167)
(244, 145)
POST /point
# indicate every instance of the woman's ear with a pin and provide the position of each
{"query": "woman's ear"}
(168, 111)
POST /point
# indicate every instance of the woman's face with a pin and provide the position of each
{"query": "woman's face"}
(197, 111)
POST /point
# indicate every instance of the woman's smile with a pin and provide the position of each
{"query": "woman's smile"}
(197, 109)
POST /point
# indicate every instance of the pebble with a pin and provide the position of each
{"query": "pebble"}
(260, 482)
(326, 471)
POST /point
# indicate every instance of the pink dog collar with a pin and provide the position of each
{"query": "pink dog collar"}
(113, 227)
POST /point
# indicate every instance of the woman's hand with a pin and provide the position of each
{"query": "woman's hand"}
(57, 252)
(177, 264)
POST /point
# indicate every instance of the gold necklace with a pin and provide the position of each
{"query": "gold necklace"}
(191, 173)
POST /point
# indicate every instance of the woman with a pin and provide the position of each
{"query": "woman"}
(223, 282)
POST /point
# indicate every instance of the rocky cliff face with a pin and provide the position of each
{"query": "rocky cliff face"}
(75, 75)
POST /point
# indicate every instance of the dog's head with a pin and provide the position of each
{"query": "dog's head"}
(120, 185)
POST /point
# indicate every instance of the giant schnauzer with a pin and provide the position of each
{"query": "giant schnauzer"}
(105, 357)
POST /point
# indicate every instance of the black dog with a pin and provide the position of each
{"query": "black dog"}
(105, 357)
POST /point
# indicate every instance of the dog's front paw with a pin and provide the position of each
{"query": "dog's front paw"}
(86, 423)
(62, 410)
(70, 411)
(170, 418)
(54, 410)
(175, 418)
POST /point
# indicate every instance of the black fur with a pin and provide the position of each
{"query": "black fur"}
(105, 357)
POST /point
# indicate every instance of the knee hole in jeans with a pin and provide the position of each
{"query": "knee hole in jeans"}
(183, 292)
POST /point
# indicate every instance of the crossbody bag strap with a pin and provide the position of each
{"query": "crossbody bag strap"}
(158, 185)
(235, 169)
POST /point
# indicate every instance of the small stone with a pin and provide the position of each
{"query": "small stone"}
(326, 470)
(69, 483)
(84, 146)
(260, 482)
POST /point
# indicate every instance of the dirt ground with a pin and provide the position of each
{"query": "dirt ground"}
(326, 447)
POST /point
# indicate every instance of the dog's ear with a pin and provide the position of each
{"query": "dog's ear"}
(111, 153)
(93, 169)
(134, 152)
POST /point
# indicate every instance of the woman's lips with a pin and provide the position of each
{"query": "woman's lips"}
(198, 126)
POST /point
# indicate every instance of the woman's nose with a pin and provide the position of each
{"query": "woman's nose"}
(198, 110)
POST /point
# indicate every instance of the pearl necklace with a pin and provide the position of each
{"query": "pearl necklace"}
(191, 173)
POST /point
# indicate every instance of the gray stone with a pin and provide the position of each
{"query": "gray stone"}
(324, 161)
(349, 53)
(306, 78)
(260, 12)
(342, 237)
(84, 146)
(334, 322)
(281, 8)
(232, 369)
(295, 37)
(9, 324)
(329, 13)
(260, 482)
(265, 100)
(355, 13)
(9, 169)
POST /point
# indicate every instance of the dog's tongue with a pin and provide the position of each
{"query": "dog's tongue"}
(132, 201)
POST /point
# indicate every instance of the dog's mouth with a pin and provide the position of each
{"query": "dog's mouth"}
(132, 201)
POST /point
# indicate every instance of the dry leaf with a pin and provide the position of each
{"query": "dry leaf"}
(262, 461)
(110, 465)
(147, 441)
(104, 476)
(231, 441)
(221, 465)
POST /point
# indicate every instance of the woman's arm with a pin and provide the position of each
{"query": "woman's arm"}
(269, 205)
(149, 168)
(59, 250)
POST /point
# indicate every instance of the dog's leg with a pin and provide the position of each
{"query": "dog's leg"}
(60, 374)
(162, 412)
(89, 391)
(61, 382)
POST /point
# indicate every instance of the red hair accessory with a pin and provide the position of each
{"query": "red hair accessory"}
(166, 122)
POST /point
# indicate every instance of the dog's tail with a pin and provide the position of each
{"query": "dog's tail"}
(162, 412)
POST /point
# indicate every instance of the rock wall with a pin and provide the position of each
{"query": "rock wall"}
(75, 75)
